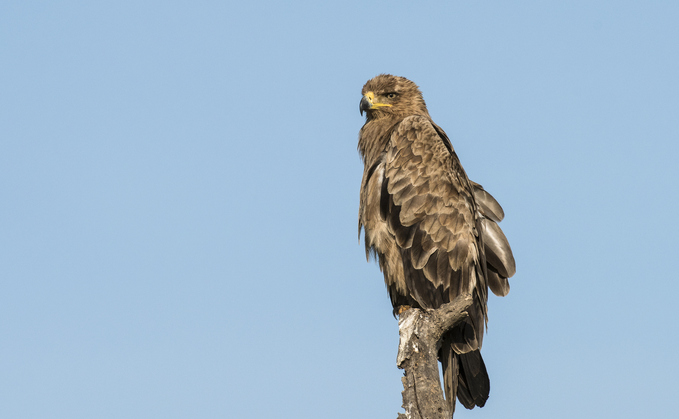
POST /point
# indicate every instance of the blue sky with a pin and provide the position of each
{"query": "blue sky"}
(179, 191)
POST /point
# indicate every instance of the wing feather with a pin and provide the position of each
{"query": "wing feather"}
(498, 253)
(498, 284)
(432, 199)
(440, 229)
(488, 205)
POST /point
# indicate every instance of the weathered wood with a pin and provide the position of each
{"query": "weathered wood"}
(420, 334)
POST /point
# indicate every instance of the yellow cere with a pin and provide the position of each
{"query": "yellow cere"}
(371, 96)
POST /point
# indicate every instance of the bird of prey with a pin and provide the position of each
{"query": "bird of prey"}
(433, 231)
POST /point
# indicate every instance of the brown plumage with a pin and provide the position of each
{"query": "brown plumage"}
(433, 231)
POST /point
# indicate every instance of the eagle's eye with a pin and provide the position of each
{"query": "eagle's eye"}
(391, 95)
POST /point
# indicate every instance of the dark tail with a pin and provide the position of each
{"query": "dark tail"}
(464, 377)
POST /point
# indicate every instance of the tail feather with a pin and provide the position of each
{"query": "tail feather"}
(464, 377)
(474, 377)
(450, 367)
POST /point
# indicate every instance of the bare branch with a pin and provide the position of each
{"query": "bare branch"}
(420, 333)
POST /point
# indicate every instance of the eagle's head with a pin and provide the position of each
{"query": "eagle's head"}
(388, 96)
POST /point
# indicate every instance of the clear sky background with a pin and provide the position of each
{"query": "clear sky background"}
(179, 192)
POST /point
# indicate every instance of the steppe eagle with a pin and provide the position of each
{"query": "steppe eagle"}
(433, 231)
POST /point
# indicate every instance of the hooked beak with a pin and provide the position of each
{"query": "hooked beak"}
(366, 103)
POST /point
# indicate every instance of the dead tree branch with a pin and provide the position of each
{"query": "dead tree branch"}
(420, 334)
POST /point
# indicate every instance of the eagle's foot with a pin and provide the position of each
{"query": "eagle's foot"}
(400, 310)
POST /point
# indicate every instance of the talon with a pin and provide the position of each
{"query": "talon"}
(400, 310)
